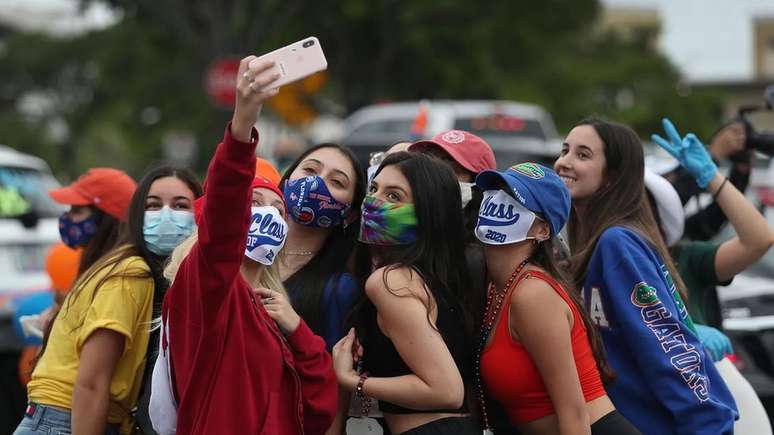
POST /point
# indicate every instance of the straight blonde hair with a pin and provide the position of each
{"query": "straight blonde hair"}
(267, 276)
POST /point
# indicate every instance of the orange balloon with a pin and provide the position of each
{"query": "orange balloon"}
(62, 266)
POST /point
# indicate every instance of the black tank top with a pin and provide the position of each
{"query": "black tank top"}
(381, 359)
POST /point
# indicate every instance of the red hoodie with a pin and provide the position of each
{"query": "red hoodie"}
(233, 371)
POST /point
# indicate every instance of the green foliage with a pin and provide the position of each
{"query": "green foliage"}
(153, 61)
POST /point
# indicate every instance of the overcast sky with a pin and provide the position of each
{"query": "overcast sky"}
(709, 40)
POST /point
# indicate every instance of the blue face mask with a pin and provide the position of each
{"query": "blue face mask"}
(310, 203)
(164, 229)
(75, 234)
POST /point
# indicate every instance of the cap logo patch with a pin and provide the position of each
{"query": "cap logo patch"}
(531, 170)
(453, 136)
(644, 295)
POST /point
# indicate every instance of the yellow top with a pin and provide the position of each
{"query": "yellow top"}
(123, 304)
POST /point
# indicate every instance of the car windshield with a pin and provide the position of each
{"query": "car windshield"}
(399, 127)
(497, 129)
(23, 190)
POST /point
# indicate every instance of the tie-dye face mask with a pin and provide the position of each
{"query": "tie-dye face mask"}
(386, 223)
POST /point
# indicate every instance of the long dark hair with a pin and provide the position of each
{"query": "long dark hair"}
(470, 215)
(307, 285)
(438, 253)
(105, 238)
(134, 234)
(131, 243)
(620, 201)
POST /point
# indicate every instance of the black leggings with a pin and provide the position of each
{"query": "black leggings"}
(448, 426)
(613, 423)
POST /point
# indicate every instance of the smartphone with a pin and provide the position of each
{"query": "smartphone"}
(297, 60)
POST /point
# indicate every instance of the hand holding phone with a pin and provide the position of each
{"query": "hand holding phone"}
(255, 85)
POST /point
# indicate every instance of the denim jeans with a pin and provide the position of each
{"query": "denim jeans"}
(50, 420)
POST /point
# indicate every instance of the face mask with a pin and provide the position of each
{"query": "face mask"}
(310, 203)
(75, 234)
(466, 192)
(502, 220)
(164, 229)
(266, 234)
(387, 223)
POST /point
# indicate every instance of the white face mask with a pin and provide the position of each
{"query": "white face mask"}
(502, 220)
(266, 235)
(466, 192)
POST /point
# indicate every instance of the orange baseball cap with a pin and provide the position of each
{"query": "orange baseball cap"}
(264, 169)
(108, 189)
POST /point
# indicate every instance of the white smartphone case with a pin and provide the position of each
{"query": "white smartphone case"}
(297, 60)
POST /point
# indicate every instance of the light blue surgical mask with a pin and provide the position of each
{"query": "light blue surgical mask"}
(164, 229)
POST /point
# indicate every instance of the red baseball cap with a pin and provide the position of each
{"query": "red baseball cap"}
(108, 189)
(266, 183)
(257, 182)
(467, 149)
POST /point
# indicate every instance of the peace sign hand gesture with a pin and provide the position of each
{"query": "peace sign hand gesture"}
(690, 152)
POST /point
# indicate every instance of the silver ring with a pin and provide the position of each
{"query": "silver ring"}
(247, 76)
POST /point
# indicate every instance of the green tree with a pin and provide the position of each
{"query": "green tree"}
(120, 90)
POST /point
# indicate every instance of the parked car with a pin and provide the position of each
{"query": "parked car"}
(516, 131)
(28, 228)
(748, 319)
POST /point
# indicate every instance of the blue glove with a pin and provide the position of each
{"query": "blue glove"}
(690, 152)
(716, 343)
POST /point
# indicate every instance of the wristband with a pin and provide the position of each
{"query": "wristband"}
(365, 402)
(717, 192)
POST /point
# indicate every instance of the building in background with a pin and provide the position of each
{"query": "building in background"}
(764, 47)
(715, 44)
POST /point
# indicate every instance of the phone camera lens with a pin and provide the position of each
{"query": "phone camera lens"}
(308, 43)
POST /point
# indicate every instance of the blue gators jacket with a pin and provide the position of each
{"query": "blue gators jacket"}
(665, 383)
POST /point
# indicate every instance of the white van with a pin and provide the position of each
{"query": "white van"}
(28, 227)
(516, 131)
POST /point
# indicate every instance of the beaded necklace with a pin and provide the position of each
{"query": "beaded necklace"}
(490, 316)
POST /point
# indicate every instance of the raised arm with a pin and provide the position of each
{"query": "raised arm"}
(754, 237)
(226, 211)
(753, 234)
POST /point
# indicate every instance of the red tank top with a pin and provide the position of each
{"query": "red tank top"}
(511, 377)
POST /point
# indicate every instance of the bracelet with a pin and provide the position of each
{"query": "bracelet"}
(717, 192)
(365, 402)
